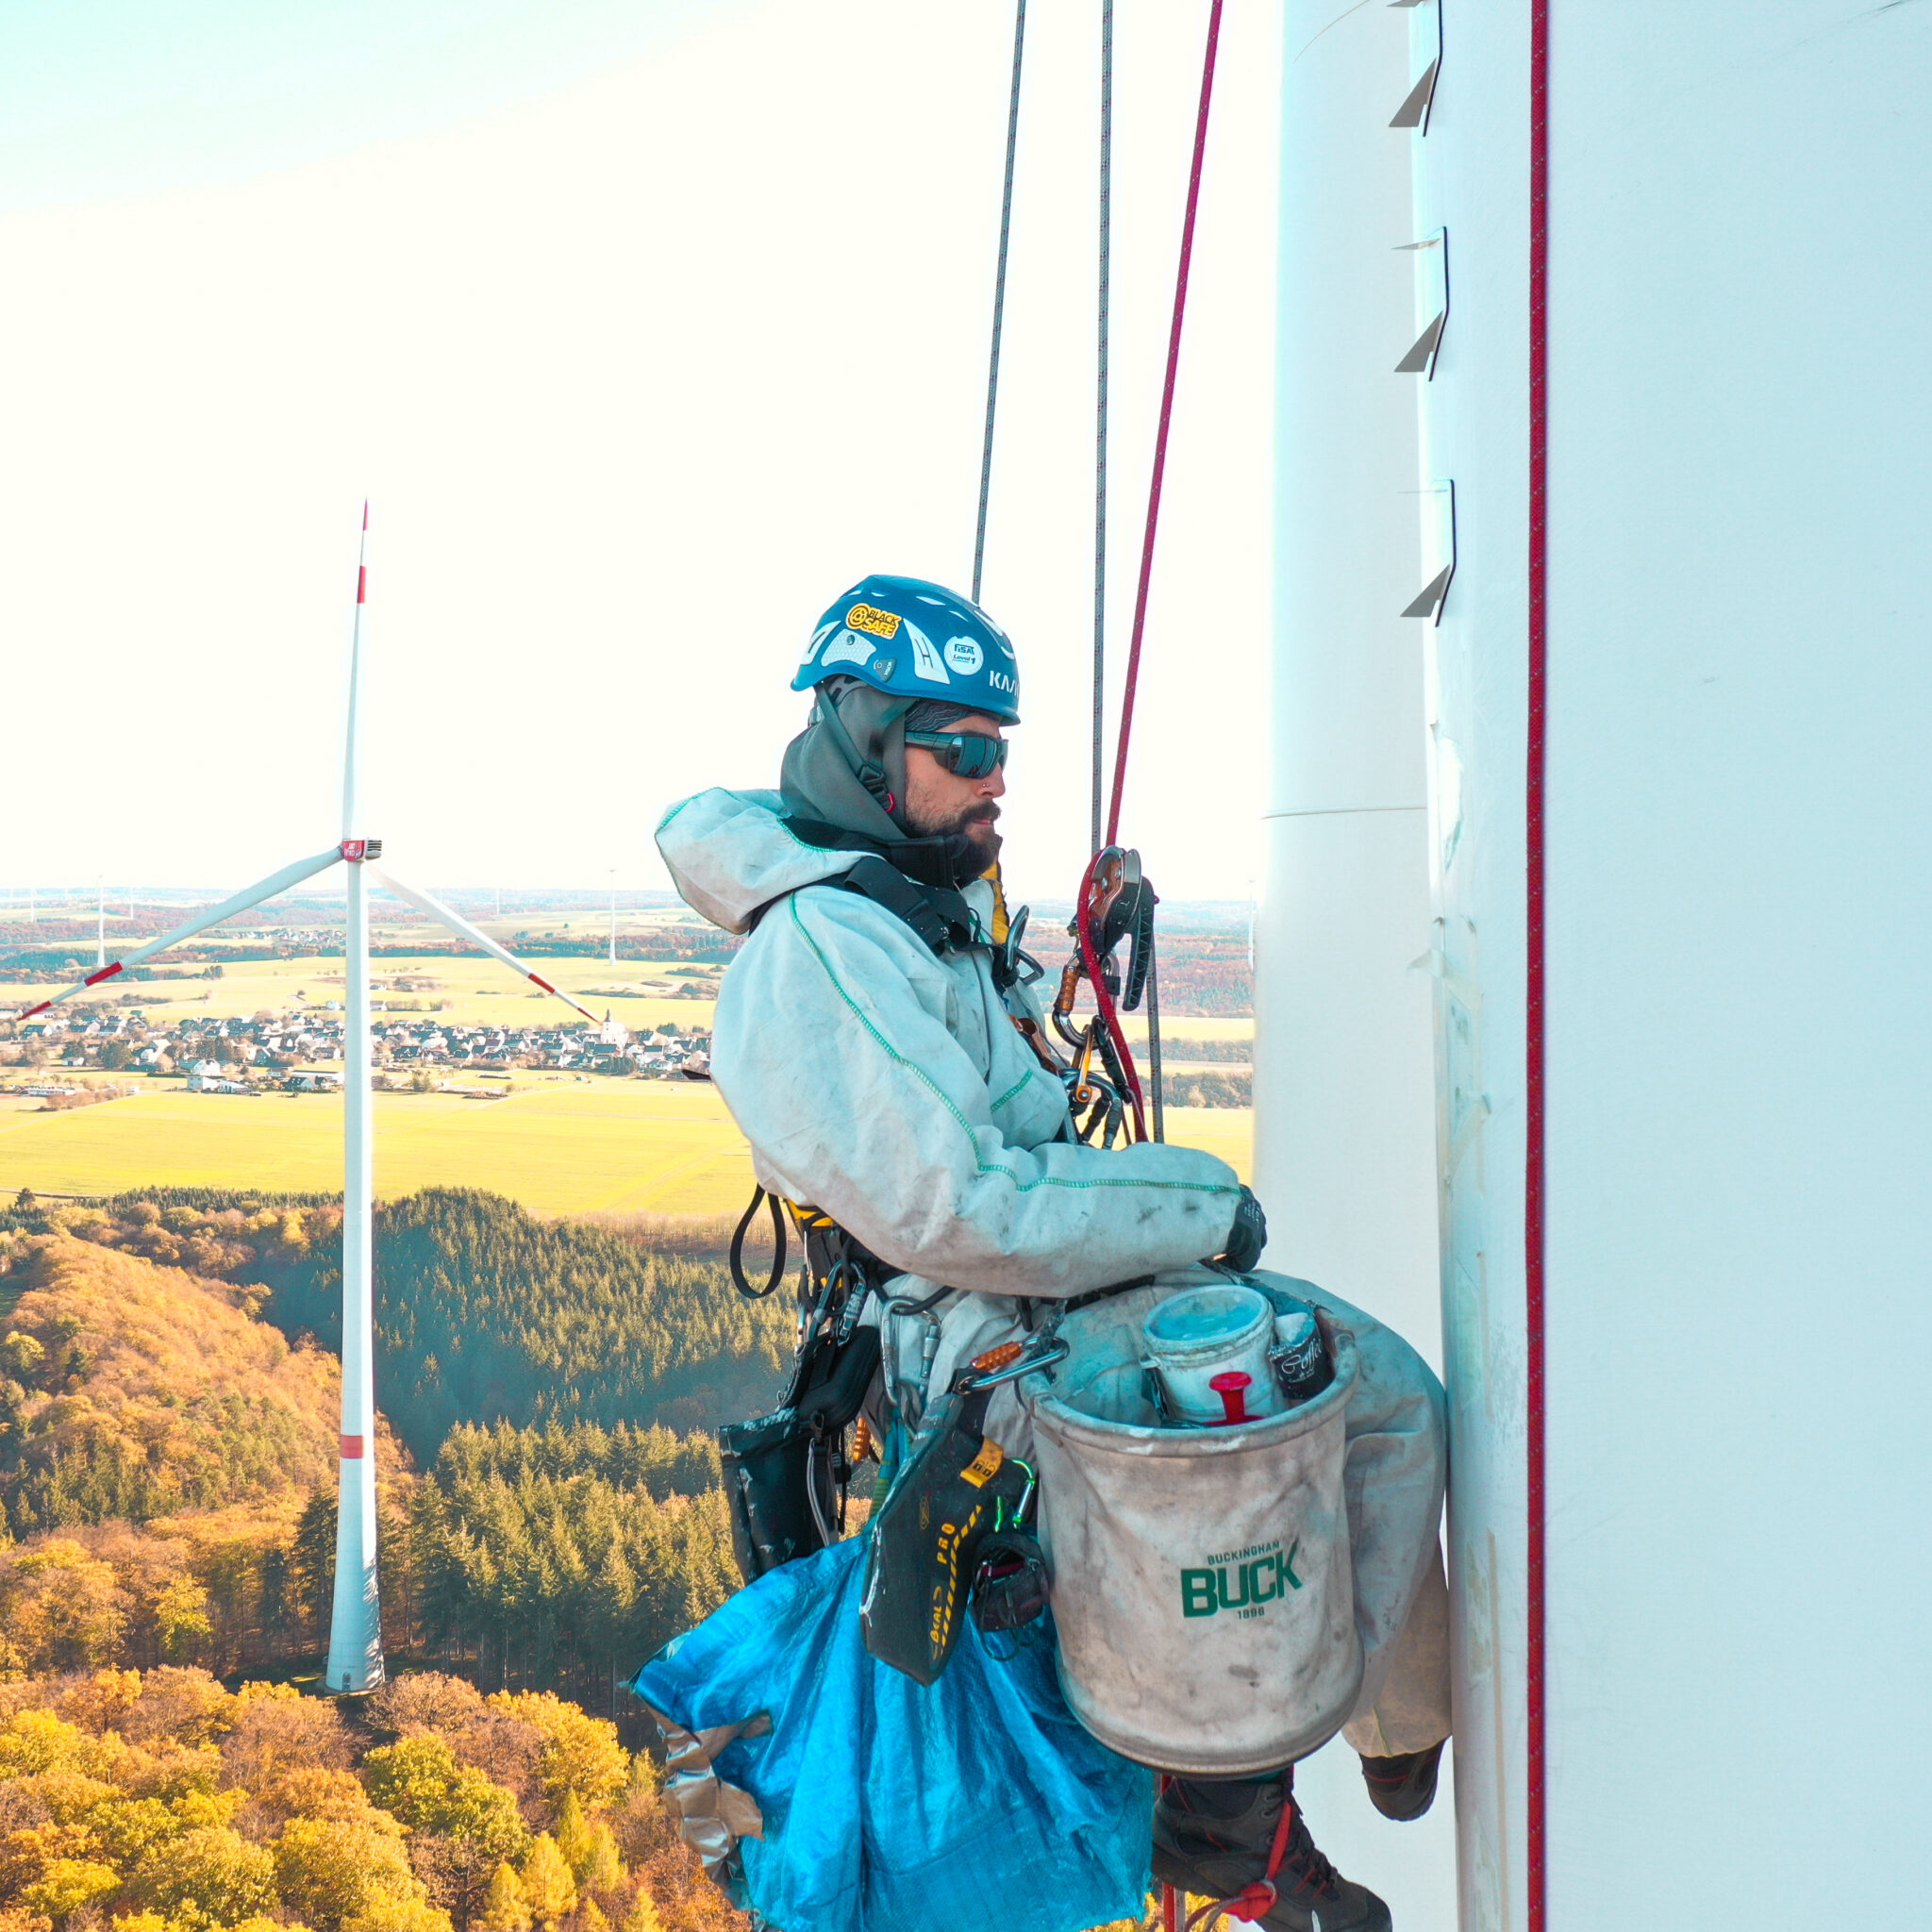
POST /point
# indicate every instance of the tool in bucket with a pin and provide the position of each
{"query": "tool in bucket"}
(1222, 1354)
(959, 1502)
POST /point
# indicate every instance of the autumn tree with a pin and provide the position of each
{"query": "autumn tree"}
(580, 1753)
(333, 1870)
(549, 1889)
(274, 1730)
(61, 1608)
(212, 1877)
(504, 1909)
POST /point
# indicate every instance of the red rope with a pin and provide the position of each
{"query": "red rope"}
(1170, 1899)
(1537, 654)
(1258, 1898)
(1174, 357)
(1103, 1000)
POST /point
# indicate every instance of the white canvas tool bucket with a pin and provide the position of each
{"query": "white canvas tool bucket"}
(1202, 1583)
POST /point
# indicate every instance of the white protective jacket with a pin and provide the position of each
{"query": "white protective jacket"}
(888, 1087)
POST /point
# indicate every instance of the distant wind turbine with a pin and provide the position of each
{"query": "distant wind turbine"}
(355, 1644)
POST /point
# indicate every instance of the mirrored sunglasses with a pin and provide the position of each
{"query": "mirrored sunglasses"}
(970, 754)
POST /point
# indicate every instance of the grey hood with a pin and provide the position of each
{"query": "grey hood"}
(856, 734)
(731, 852)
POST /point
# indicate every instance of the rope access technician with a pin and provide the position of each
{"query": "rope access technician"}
(886, 1077)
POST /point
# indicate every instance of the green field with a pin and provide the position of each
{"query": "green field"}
(657, 1146)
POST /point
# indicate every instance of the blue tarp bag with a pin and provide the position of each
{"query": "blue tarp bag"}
(976, 1804)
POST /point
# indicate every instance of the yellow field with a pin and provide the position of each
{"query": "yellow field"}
(558, 1149)
(563, 1148)
(1184, 1026)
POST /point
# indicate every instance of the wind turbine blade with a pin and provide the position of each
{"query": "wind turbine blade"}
(250, 895)
(465, 930)
(352, 730)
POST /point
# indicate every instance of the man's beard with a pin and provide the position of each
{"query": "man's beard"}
(974, 823)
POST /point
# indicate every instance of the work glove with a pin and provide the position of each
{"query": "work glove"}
(1247, 1236)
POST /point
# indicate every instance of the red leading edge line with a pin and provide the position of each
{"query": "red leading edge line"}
(1533, 1225)
(93, 978)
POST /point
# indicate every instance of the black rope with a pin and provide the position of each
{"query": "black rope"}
(758, 1197)
(1154, 1035)
(999, 296)
(1100, 406)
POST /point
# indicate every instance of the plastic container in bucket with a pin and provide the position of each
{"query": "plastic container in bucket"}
(1195, 1338)
(1202, 1584)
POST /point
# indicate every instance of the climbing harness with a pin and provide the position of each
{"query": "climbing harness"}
(759, 1197)
(909, 1392)
(911, 880)
(787, 1474)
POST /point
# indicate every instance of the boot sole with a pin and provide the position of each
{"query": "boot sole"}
(1406, 1803)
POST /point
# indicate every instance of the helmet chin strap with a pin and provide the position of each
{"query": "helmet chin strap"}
(869, 772)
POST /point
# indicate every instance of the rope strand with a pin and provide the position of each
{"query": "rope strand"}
(999, 296)
(1100, 413)
(1154, 1082)
(1174, 355)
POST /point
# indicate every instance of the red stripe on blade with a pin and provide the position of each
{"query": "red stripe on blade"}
(352, 1448)
(361, 583)
(538, 979)
(32, 1010)
(106, 972)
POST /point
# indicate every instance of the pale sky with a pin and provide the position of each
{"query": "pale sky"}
(647, 329)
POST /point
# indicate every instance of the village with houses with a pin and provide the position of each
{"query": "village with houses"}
(301, 1050)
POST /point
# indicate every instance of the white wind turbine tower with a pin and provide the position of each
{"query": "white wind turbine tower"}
(355, 1647)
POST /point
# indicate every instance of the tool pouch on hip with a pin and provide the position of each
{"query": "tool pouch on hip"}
(780, 1478)
(926, 1539)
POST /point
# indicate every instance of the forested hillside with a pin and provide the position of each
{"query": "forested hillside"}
(139, 1391)
(483, 1313)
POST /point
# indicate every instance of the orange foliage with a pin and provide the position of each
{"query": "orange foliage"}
(147, 1384)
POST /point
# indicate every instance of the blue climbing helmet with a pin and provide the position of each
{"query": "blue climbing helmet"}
(915, 640)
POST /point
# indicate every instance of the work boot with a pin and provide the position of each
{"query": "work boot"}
(1405, 1787)
(1212, 1837)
